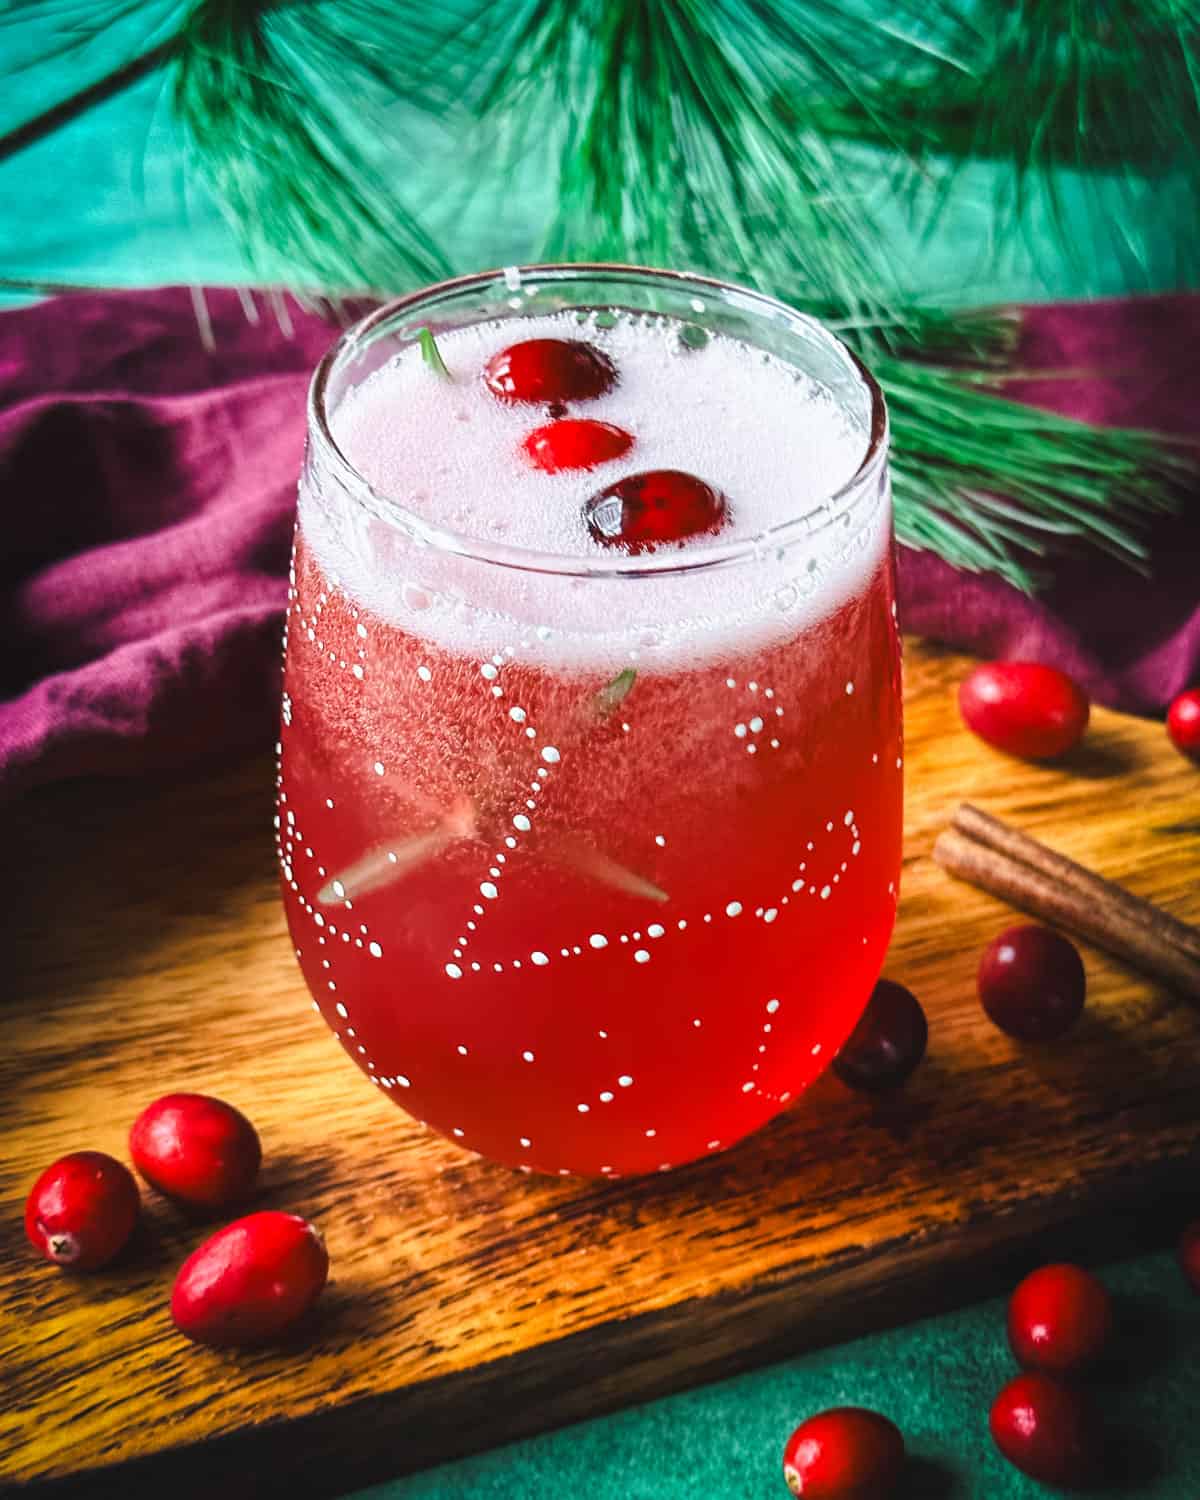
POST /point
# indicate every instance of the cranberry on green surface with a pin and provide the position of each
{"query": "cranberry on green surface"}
(1189, 1254)
(1047, 1430)
(847, 1453)
(1059, 1319)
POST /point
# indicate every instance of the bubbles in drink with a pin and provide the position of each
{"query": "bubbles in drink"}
(583, 831)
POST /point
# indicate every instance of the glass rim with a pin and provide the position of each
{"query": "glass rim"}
(396, 513)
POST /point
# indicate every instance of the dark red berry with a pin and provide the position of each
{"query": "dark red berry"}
(82, 1210)
(250, 1282)
(1047, 1430)
(199, 1151)
(1032, 984)
(1059, 1319)
(1189, 1254)
(1183, 723)
(848, 1453)
(1024, 708)
(549, 370)
(662, 505)
(888, 1042)
(575, 444)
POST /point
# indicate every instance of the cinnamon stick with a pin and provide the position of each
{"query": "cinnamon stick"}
(1072, 897)
(1006, 839)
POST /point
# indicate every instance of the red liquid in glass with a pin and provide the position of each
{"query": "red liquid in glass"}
(615, 943)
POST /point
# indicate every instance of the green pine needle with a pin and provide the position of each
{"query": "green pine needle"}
(1103, 92)
(992, 485)
(711, 134)
(277, 100)
(431, 354)
(679, 136)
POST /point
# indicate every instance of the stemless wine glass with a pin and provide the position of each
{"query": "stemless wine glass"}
(590, 862)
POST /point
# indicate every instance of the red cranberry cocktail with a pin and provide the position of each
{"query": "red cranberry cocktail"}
(590, 767)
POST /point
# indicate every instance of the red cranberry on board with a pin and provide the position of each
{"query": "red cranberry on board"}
(576, 443)
(847, 1453)
(661, 505)
(1059, 1319)
(82, 1210)
(1189, 1254)
(1024, 708)
(250, 1281)
(888, 1042)
(1032, 983)
(1183, 723)
(1047, 1430)
(200, 1151)
(545, 370)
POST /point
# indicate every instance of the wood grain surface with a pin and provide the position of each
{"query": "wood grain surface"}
(469, 1304)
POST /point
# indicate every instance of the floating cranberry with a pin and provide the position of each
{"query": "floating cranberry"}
(888, 1042)
(1059, 1319)
(848, 1453)
(197, 1150)
(82, 1210)
(250, 1282)
(549, 370)
(661, 505)
(1189, 1254)
(1183, 723)
(575, 444)
(1024, 708)
(1047, 1430)
(1032, 984)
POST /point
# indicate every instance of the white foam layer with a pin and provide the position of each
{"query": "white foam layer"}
(777, 443)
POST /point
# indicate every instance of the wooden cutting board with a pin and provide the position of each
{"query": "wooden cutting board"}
(469, 1304)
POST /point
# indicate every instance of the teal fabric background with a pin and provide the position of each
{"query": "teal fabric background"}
(935, 1378)
(108, 200)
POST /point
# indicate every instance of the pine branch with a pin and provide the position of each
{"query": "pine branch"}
(679, 136)
(991, 484)
(1104, 94)
(280, 105)
(705, 133)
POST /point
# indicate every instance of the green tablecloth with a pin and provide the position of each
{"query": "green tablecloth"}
(106, 201)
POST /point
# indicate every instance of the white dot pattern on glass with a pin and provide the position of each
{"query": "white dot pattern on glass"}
(747, 729)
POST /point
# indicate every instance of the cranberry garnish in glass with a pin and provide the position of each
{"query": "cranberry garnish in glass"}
(590, 834)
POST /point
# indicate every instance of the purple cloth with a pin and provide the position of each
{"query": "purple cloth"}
(151, 484)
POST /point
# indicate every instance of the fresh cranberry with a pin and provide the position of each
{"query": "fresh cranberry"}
(1024, 708)
(1047, 1430)
(1183, 723)
(549, 370)
(575, 444)
(82, 1210)
(888, 1042)
(250, 1282)
(1059, 1320)
(661, 505)
(848, 1453)
(199, 1151)
(1032, 984)
(1189, 1254)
